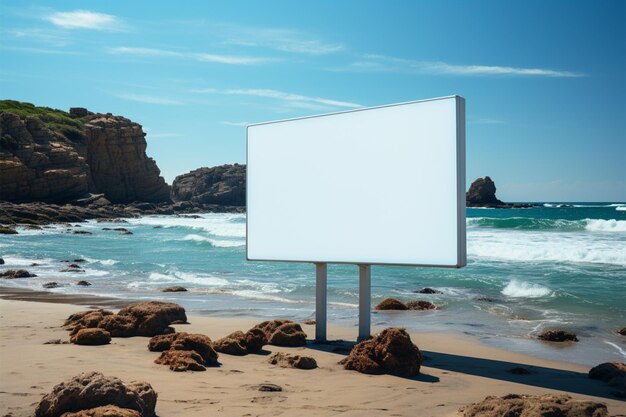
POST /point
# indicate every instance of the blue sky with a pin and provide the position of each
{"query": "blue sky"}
(545, 82)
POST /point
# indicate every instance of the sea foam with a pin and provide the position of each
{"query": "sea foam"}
(525, 289)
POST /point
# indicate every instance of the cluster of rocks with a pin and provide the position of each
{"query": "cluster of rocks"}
(16, 273)
(390, 352)
(38, 213)
(147, 318)
(394, 304)
(482, 193)
(91, 394)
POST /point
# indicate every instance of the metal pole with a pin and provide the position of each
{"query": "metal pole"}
(320, 301)
(365, 299)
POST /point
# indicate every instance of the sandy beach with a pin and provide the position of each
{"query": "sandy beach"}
(456, 371)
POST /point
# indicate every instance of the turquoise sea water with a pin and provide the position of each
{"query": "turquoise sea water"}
(542, 267)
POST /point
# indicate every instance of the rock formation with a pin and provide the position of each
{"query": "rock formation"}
(534, 405)
(91, 337)
(57, 157)
(240, 343)
(482, 193)
(288, 360)
(557, 335)
(92, 389)
(390, 352)
(393, 304)
(224, 185)
(184, 351)
(613, 373)
(147, 318)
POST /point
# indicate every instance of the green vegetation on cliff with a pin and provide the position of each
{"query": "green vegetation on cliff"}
(56, 120)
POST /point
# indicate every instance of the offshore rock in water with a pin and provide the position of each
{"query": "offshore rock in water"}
(420, 305)
(534, 406)
(390, 352)
(428, 290)
(557, 335)
(391, 304)
(16, 273)
(176, 288)
(92, 389)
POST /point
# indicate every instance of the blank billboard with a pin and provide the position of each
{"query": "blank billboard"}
(381, 185)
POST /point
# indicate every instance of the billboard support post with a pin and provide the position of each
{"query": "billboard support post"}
(365, 299)
(321, 274)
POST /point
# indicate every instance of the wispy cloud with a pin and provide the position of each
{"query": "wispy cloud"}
(197, 56)
(381, 63)
(85, 19)
(148, 99)
(237, 124)
(281, 39)
(51, 37)
(293, 100)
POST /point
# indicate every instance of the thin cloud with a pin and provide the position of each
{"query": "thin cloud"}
(280, 39)
(381, 63)
(148, 99)
(296, 100)
(85, 19)
(202, 57)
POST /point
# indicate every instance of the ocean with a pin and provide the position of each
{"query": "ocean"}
(528, 270)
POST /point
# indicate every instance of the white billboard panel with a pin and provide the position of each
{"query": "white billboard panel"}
(381, 185)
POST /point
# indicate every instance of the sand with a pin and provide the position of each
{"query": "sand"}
(457, 371)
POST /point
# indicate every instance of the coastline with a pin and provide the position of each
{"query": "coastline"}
(457, 370)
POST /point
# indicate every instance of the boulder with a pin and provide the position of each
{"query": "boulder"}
(181, 360)
(184, 351)
(91, 337)
(428, 290)
(147, 318)
(557, 336)
(309, 322)
(289, 335)
(269, 387)
(2, 263)
(544, 405)
(16, 273)
(162, 342)
(104, 411)
(420, 305)
(92, 389)
(288, 360)
(49, 285)
(174, 289)
(255, 340)
(224, 185)
(83, 283)
(154, 317)
(233, 344)
(7, 231)
(391, 304)
(622, 331)
(613, 373)
(269, 327)
(390, 352)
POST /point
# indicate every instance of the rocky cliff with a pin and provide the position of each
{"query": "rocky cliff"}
(52, 156)
(223, 185)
